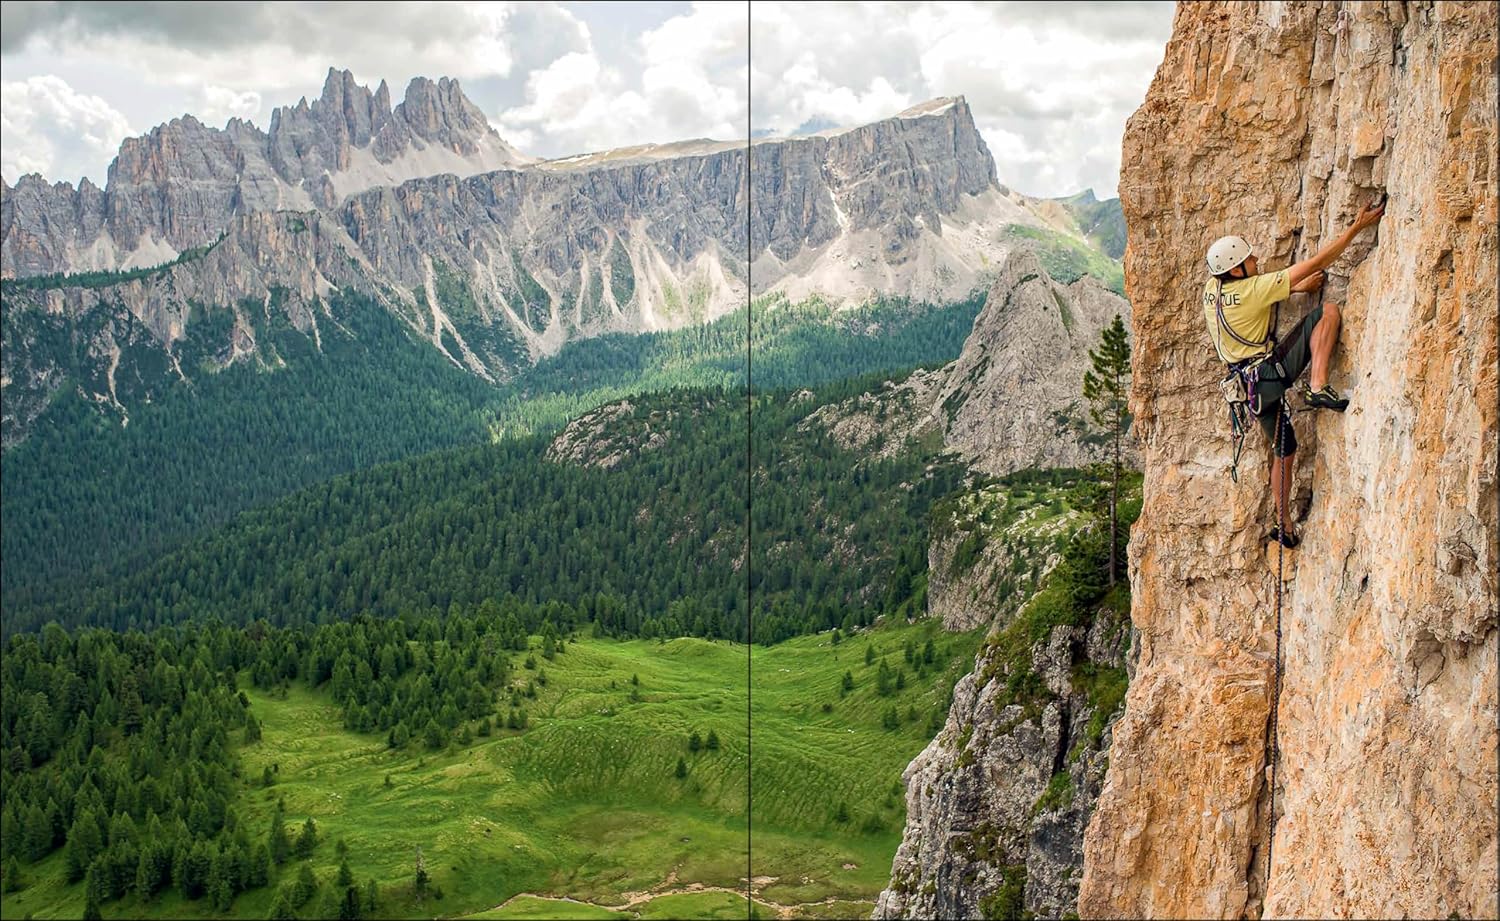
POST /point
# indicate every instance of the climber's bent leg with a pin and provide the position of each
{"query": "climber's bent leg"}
(1325, 336)
(1297, 350)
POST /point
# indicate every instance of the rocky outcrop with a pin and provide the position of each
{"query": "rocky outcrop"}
(1276, 122)
(984, 560)
(997, 803)
(1013, 397)
(878, 424)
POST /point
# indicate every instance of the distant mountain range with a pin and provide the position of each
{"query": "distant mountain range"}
(209, 235)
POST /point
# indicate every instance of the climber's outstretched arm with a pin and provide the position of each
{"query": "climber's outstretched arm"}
(1368, 217)
(1311, 283)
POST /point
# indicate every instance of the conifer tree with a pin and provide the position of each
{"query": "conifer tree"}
(307, 840)
(281, 907)
(93, 892)
(1106, 388)
(260, 867)
(280, 846)
(83, 844)
(306, 886)
(420, 883)
(349, 908)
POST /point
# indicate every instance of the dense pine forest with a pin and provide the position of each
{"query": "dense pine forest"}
(84, 491)
(86, 496)
(652, 546)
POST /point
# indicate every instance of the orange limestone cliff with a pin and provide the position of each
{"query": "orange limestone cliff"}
(1276, 121)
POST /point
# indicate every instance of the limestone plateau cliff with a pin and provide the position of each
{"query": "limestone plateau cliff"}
(1276, 121)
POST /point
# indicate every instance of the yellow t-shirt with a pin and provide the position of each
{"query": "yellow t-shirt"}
(1247, 309)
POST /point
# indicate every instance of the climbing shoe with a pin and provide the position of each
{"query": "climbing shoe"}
(1327, 398)
(1289, 541)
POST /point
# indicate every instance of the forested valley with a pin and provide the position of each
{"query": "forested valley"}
(87, 497)
(290, 604)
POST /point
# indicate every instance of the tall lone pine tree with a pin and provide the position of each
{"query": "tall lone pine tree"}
(1105, 388)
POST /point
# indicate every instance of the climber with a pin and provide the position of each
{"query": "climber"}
(1237, 304)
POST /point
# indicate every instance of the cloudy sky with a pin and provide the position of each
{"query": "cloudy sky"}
(1049, 84)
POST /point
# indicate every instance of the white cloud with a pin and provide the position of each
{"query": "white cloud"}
(156, 62)
(691, 84)
(52, 129)
(269, 45)
(217, 105)
(1050, 85)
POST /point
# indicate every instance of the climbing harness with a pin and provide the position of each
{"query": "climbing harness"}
(1241, 385)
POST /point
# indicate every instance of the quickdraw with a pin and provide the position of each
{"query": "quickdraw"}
(1240, 389)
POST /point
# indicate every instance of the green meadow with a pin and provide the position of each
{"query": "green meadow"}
(583, 814)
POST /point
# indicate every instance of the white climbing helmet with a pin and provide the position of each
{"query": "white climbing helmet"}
(1226, 253)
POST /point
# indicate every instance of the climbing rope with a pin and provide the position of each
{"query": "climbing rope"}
(1283, 488)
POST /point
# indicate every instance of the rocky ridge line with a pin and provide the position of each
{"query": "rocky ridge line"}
(499, 268)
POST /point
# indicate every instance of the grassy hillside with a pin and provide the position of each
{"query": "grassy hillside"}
(585, 804)
(1101, 221)
(1067, 259)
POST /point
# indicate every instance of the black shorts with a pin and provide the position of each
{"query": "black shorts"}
(1293, 354)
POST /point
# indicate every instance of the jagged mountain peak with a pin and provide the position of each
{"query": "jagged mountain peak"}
(1014, 396)
(179, 185)
(498, 263)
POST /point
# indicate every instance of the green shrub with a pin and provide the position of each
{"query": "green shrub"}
(1008, 903)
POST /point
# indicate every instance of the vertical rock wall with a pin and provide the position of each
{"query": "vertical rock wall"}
(1276, 121)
